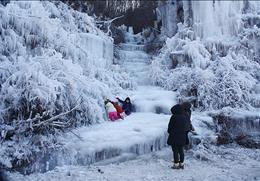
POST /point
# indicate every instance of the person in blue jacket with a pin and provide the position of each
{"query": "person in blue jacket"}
(126, 105)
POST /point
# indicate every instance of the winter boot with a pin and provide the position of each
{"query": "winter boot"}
(175, 166)
(181, 165)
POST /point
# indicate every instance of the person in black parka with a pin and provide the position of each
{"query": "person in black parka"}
(178, 126)
(126, 105)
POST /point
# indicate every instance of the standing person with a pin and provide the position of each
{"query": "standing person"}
(111, 110)
(178, 126)
(126, 105)
(187, 109)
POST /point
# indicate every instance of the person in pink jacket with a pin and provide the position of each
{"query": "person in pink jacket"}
(111, 110)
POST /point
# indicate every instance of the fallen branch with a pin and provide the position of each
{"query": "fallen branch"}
(55, 117)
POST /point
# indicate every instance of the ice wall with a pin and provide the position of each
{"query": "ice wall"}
(98, 48)
(213, 58)
(216, 18)
(208, 18)
(167, 13)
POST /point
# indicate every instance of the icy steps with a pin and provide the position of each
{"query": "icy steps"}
(133, 54)
(140, 133)
(153, 99)
(136, 68)
(135, 61)
(137, 134)
(132, 47)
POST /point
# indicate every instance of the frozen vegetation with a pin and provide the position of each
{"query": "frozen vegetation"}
(56, 70)
(214, 61)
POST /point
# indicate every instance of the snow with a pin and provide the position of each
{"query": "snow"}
(153, 99)
(133, 58)
(140, 129)
(234, 163)
(53, 59)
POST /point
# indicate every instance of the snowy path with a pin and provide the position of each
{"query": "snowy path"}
(135, 60)
(138, 134)
(234, 163)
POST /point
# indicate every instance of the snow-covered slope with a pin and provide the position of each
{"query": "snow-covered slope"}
(54, 62)
(234, 163)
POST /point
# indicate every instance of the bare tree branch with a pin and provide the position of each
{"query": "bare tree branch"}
(56, 117)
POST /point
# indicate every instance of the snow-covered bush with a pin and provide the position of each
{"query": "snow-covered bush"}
(55, 71)
(214, 73)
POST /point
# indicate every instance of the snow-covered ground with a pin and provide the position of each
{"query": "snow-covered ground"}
(153, 99)
(221, 163)
(138, 133)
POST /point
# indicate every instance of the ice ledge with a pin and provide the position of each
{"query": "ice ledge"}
(139, 133)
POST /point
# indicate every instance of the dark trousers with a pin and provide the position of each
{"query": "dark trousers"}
(178, 153)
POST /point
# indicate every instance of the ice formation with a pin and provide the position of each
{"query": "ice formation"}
(213, 60)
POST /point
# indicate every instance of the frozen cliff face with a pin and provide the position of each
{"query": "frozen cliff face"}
(213, 59)
(53, 59)
(170, 13)
(208, 19)
(216, 19)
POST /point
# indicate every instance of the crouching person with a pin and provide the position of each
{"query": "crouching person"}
(120, 112)
(126, 105)
(178, 126)
(111, 110)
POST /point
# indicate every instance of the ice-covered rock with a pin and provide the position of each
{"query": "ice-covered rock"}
(236, 126)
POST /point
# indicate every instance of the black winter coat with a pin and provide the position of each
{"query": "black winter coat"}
(178, 126)
(126, 106)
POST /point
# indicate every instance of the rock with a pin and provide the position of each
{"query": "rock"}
(249, 141)
(224, 138)
(179, 58)
(243, 130)
(117, 35)
(195, 140)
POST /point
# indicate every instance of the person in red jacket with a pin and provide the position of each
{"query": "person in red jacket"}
(119, 110)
